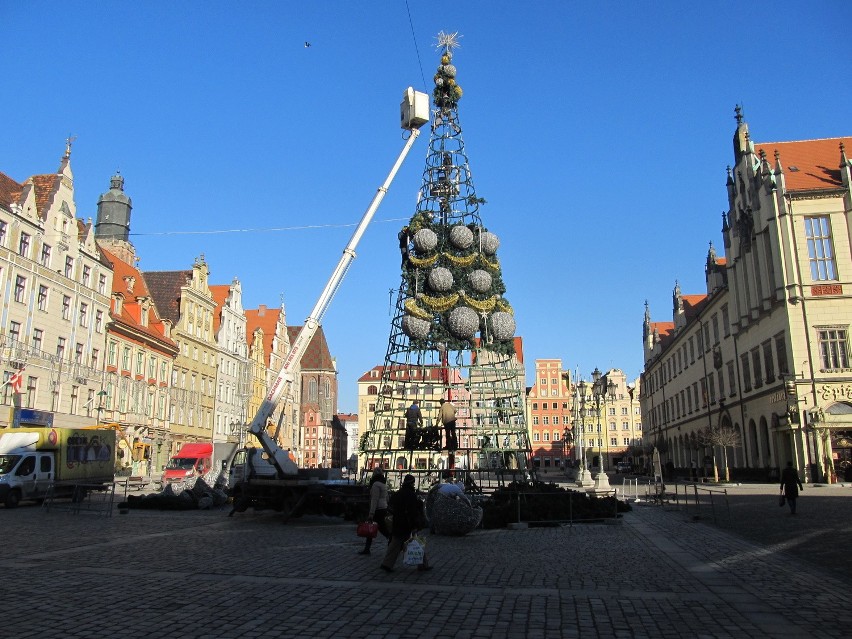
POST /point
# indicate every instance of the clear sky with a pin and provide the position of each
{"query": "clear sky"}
(598, 133)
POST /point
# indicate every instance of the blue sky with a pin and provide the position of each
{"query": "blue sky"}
(598, 132)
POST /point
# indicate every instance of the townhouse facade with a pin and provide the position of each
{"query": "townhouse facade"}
(56, 286)
(233, 374)
(184, 298)
(549, 415)
(755, 371)
(269, 346)
(163, 357)
(603, 428)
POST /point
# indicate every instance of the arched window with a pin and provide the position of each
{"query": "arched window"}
(312, 391)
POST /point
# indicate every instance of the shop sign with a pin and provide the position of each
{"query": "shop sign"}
(835, 392)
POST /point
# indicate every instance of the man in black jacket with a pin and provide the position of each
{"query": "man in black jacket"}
(413, 425)
(408, 518)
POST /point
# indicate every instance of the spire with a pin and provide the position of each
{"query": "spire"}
(677, 299)
(68, 142)
(741, 134)
(845, 167)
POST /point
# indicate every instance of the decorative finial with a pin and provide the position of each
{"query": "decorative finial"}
(448, 41)
(68, 142)
(738, 110)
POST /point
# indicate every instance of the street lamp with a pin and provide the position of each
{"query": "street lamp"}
(566, 444)
(601, 393)
(100, 395)
(584, 477)
(237, 428)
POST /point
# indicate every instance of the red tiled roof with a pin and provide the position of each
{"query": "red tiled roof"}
(692, 305)
(663, 328)
(266, 320)
(316, 357)
(10, 191)
(131, 311)
(45, 185)
(165, 291)
(817, 162)
(220, 294)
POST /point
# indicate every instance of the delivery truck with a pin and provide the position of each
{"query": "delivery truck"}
(195, 460)
(67, 461)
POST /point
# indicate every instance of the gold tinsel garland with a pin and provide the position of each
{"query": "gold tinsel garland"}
(495, 265)
(480, 305)
(415, 311)
(440, 304)
(461, 261)
(420, 262)
(504, 306)
(464, 261)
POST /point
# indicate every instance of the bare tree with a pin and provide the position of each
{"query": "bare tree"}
(723, 437)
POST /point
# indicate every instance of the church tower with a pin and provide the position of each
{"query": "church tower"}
(112, 228)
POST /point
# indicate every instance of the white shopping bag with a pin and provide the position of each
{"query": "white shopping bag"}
(415, 551)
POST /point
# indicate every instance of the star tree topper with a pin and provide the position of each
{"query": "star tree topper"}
(448, 41)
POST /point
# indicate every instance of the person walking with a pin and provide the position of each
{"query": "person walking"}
(790, 486)
(407, 519)
(448, 419)
(378, 507)
(413, 422)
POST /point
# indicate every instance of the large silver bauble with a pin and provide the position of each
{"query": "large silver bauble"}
(449, 70)
(425, 240)
(461, 237)
(489, 242)
(463, 322)
(502, 325)
(440, 279)
(415, 327)
(480, 281)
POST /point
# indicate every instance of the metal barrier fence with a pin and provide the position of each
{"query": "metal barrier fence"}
(88, 498)
(695, 500)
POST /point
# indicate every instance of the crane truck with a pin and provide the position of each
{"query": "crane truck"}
(271, 478)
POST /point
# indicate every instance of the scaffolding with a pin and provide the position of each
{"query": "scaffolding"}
(452, 333)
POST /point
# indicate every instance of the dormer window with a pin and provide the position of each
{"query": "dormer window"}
(117, 303)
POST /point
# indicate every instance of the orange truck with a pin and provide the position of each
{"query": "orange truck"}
(66, 461)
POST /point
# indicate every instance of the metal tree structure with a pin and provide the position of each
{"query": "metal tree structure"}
(453, 332)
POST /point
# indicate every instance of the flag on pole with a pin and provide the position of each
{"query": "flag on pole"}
(16, 380)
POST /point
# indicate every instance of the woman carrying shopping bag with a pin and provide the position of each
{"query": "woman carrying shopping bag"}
(378, 507)
(407, 519)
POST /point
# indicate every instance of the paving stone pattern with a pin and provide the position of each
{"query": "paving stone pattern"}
(202, 575)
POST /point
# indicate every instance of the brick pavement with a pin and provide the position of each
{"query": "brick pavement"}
(202, 575)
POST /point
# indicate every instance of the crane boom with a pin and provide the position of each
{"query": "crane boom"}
(412, 120)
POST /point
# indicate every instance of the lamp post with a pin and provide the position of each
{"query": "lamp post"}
(584, 477)
(324, 441)
(566, 444)
(100, 408)
(600, 393)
